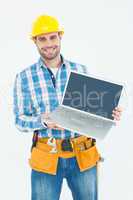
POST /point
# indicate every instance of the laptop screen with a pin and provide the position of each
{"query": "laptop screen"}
(92, 95)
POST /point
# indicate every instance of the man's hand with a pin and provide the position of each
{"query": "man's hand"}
(53, 125)
(117, 113)
(50, 123)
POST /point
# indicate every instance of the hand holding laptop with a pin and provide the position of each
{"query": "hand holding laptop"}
(117, 113)
(90, 105)
(50, 123)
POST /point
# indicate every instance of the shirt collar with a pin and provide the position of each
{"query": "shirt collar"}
(41, 64)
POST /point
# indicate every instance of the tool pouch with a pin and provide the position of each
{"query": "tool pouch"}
(86, 158)
(42, 160)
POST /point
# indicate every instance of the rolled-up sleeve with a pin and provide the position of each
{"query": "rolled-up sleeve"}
(26, 119)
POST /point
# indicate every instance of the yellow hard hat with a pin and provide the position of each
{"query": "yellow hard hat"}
(45, 24)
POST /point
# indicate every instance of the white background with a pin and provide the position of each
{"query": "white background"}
(99, 34)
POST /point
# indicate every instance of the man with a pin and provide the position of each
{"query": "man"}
(56, 153)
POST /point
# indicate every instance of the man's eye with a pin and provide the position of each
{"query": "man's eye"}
(53, 37)
(41, 39)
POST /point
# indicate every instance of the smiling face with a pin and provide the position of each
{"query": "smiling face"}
(48, 45)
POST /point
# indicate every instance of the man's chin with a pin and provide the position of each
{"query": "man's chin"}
(49, 57)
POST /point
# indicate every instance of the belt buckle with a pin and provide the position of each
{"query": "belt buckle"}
(66, 145)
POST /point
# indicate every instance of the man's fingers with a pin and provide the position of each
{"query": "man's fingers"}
(115, 113)
(53, 125)
(116, 117)
(50, 123)
(119, 109)
(58, 127)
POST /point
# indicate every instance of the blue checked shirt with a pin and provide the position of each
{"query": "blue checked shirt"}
(35, 94)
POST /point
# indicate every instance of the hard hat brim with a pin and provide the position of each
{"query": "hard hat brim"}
(35, 35)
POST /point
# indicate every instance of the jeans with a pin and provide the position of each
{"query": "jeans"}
(83, 185)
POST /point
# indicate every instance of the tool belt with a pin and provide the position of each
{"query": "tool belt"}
(44, 156)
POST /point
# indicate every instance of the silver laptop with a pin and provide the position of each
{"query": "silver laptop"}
(87, 105)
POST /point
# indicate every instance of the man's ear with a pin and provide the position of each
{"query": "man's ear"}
(34, 39)
(60, 35)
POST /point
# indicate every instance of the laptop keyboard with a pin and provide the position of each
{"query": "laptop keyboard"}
(71, 115)
(80, 123)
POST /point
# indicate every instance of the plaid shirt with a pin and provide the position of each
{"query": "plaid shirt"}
(34, 94)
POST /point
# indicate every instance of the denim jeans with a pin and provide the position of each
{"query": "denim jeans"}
(83, 185)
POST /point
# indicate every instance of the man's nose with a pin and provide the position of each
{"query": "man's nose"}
(48, 43)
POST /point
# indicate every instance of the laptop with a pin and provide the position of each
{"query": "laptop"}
(87, 105)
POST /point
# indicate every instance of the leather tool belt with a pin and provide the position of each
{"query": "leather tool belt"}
(47, 151)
